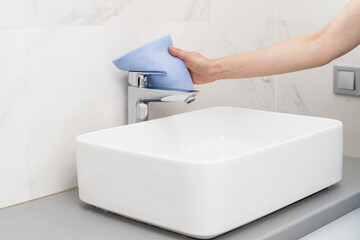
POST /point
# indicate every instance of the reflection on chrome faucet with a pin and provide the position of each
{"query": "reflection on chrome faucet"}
(139, 95)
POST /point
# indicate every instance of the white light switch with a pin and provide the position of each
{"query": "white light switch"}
(346, 80)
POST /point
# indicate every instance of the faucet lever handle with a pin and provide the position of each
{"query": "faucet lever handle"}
(139, 79)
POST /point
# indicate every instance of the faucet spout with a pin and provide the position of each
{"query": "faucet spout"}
(138, 99)
(139, 96)
(187, 97)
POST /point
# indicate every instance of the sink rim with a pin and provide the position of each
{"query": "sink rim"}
(82, 138)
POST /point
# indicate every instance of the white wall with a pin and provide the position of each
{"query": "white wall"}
(57, 79)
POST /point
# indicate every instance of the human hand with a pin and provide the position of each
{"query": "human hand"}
(200, 68)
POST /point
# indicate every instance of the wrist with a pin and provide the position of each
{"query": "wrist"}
(215, 68)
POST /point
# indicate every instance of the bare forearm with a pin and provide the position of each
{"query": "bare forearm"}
(305, 51)
(292, 55)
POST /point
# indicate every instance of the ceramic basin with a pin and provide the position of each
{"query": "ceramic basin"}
(206, 172)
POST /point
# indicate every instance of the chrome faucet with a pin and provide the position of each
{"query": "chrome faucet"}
(139, 96)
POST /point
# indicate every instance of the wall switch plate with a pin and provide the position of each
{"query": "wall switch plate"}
(347, 81)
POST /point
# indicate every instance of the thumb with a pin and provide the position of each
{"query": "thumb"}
(176, 52)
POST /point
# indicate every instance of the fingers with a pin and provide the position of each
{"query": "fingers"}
(176, 52)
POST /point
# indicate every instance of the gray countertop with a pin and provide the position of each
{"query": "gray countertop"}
(64, 216)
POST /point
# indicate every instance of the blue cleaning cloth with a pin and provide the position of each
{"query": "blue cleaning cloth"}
(154, 56)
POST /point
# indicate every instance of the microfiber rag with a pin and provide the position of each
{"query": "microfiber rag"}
(154, 56)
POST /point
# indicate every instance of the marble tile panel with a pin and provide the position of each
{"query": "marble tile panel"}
(14, 185)
(99, 12)
(73, 89)
(241, 11)
(12, 13)
(308, 9)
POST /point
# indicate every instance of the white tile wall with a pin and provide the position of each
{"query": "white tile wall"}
(12, 13)
(73, 88)
(308, 9)
(57, 79)
(14, 185)
(93, 12)
(241, 10)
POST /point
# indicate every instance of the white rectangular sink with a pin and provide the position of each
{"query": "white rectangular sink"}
(206, 172)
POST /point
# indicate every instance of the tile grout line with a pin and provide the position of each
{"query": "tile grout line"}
(35, 26)
(25, 27)
(27, 109)
(275, 41)
(31, 200)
